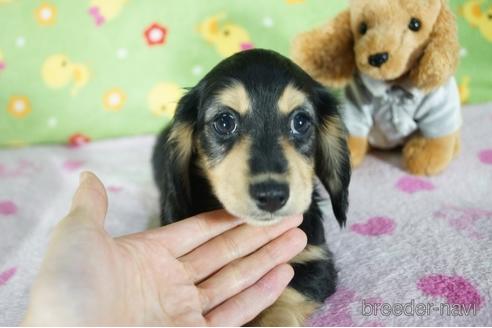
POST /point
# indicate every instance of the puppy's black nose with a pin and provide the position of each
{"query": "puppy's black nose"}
(377, 60)
(269, 196)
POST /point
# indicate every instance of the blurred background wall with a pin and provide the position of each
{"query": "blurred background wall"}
(72, 71)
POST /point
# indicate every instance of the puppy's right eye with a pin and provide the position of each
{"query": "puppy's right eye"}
(300, 124)
(363, 28)
(225, 124)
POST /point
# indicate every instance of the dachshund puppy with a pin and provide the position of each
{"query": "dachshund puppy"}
(251, 137)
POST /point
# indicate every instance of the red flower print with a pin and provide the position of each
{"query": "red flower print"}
(155, 34)
(77, 140)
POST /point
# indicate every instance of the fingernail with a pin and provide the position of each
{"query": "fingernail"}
(83, 176)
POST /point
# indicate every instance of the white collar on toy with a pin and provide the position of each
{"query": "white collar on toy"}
(382, 89)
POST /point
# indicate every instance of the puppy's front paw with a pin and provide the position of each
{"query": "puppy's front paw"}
(358, 149)
(423, 156)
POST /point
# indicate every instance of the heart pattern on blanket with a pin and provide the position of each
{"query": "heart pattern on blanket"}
(20, 168)
(375, 226)
(337, 311)
(7, 208)
(455, 289)
(6, 275)
(72, 165)
(412, 185)
(464, 220)
(485, 156)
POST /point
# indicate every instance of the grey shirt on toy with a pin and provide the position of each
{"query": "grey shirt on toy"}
(388, 114)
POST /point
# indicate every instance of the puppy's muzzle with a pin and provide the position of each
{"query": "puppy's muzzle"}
(269, 196)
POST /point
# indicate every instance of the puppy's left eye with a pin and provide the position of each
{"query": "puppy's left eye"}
(415, 24)
(225, 124)
(300, 124)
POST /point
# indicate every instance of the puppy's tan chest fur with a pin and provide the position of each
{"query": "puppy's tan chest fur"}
(290, 310)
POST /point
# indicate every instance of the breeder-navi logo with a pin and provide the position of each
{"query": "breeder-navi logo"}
(417, 309)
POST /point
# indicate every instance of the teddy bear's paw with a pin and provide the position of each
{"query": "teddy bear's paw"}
(413, 146)
(424, 156)
(358, 149)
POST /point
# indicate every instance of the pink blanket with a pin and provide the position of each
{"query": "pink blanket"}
(416, 251)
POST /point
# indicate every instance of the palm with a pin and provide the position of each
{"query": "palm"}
(205, 270)
(165, 283)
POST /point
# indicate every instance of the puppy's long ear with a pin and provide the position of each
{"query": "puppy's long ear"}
(171, 159)
(327, 53)
(332, 154)
(441, 55)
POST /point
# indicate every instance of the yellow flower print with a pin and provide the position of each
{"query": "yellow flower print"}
(16, 143)
(464, 88)
(114, 99)
(163, 98)
(228, 38)
(46, 14)
(19, 106)
(473, 13)
(58, 71)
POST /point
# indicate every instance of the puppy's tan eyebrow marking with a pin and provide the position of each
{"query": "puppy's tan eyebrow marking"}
(290, 99)
(236, 97)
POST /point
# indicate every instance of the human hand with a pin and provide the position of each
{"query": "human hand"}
(206, 270)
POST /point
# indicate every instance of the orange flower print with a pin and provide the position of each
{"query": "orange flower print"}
(19, 106)
(114, 100)
(46, 14)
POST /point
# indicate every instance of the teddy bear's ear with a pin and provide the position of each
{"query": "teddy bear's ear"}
(326, 53)
(441, 55)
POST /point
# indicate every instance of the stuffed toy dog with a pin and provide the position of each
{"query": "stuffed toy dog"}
(398, 58)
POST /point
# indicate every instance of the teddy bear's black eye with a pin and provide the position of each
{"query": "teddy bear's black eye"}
(363, 28)
(415, 24)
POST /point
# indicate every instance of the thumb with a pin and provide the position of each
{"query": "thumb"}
(90, 201)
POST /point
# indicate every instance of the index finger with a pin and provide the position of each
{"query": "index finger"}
(184, 236)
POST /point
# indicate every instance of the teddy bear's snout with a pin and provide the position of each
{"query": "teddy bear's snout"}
(378, 60)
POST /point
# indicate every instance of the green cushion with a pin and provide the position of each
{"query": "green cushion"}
(95, 69)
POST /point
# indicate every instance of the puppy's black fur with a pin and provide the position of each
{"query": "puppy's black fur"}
(186, 189)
